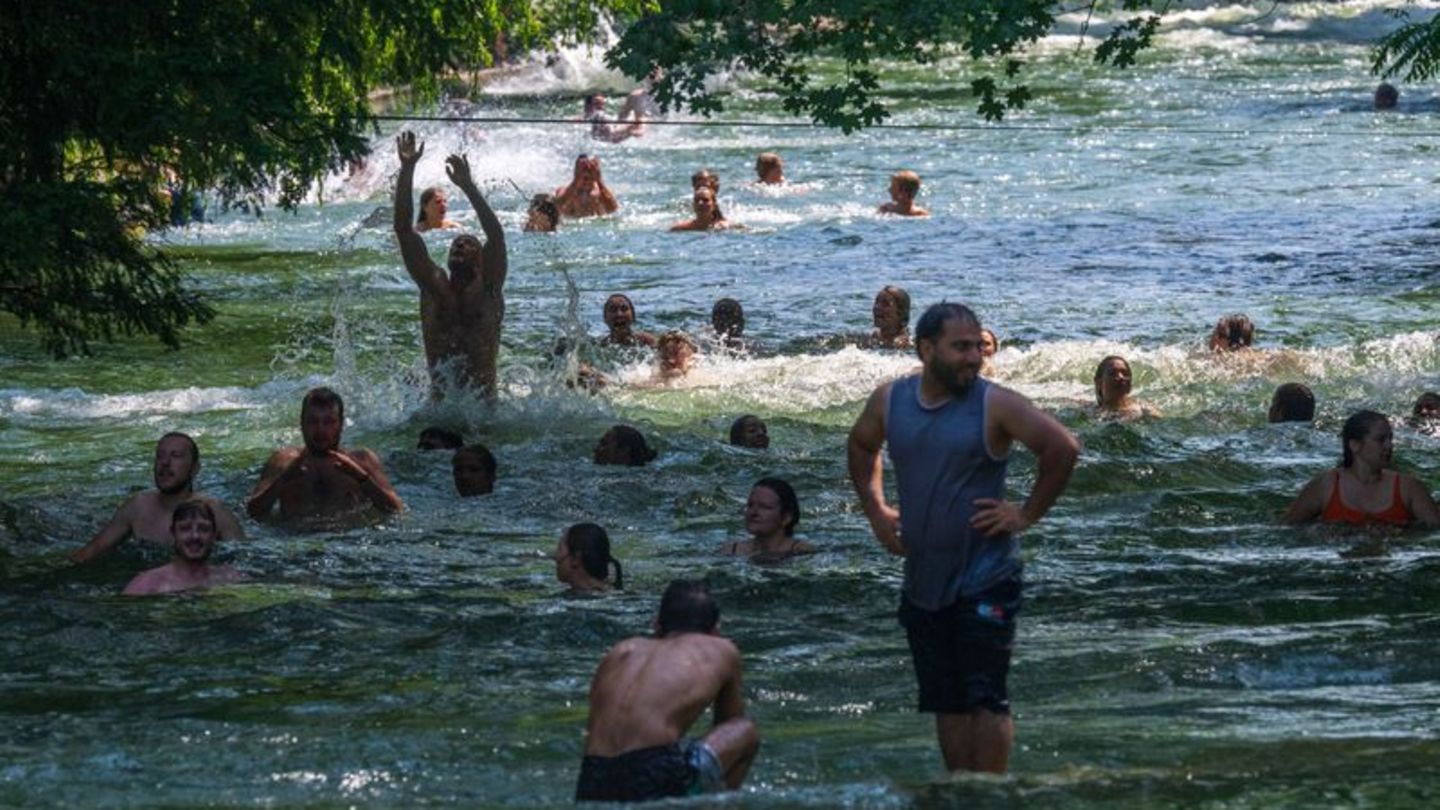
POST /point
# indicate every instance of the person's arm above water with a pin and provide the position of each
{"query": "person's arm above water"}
(282, 466)
(457, 168)
(730, 700)
(364, 467)
(1308, 505)
(1055, 449)
(862, 452)
(607, 197)
(416, 256)
(1418, 501)
(110, 535)
(226, 526)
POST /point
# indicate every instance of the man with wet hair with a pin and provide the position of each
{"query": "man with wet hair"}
(904, 188)
(147, 516)
(461, 312)
(435, 438)
(193, 526)
(770, 169)
(587, 195)
(320, 485)
(619, 314)
(1292, 402)
(646, 694)
(1232, 333)
(474, 469)
(749, 431)
(949, 432)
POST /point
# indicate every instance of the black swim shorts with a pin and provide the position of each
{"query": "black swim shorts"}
(679, 769)
(962, 651)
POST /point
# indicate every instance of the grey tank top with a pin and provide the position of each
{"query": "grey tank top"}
(941, 466)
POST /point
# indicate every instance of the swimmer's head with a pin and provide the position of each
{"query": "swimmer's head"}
(322, 420)
(1387, 96)
(624, 446)
(586, 167)
(594, 103)
(676, 351)
(727, 318)
(1361, 430)
(466, 256)
(619, 312)
(769, 168)
(702, 202)
(544, 214)
(1112, 381)
(434, 438)
(192, 527)
(891, 310)
(1292, 402)
(433, 206)
(586, 546)
(1427, 407)
(705, 179)
(1232, 332)
(990, 344)
(177, 462)
(772, 505)
(474, 469)
(749, 431)
(947, 339)
(904, 186)
(687, 607)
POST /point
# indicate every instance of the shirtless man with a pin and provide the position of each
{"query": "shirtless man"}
(904, 187)
(193, 525)
(646, 695)
(587, 195)
(321, 485)
(460, 313)
(146, 516)
(620, 320)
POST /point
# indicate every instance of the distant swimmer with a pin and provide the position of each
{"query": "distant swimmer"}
(321, 485)
(583, 561)
(461, 313)
(771, 514)
(1232, 333)
(1387, 96)
(704, 178)
(623, 446)
(891, 315)
(587, 195)
(1292, 402)
(474, 469)
(647, 693)
(1364, 490)
(433, 207)
(434, 438)
(727, 320)
(1426, 414)
(193, 524)
(949, 432)
(1113, 381)
(675, 354)
(602, 129)
(619, 316)
(770, 169)
(147, 516)
(543, 215)
(904, 188)
(707, 214)
(749, 431)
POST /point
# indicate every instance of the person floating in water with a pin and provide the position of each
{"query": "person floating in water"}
(704, 178)
(1232, 333)
(749, 431)
(433, 207)
(623, 446)
(587, 195)
(891, 316)
(543, 215)
(583, 561)
(771, 514)
(989, 347)
(601, 128)
(770, 169)
(904, 188)
(1292, 402)
(949, 432)
(1113, 381)
(462, 312)
(321, 485)
(148, 515)
(707, 213)
(193, 525)
(675, 352)
(1387, 96)
(619, 314)
(1425, 416)
(648, 692)
(473, 468)
(727, 320)
(1364, 490)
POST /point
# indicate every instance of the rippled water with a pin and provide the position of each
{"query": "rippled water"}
(1178, 645)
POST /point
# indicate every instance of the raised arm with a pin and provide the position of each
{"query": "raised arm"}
(110, 535)
(364, 466)
(457, 167)
(862, 452)
(416, 256)
(1016, 418)
(267, 489)
(607, 197)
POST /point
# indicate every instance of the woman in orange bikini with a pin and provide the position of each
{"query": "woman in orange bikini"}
(1363, 491)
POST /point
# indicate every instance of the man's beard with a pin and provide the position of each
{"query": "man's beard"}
(183, 486)
(948, 377)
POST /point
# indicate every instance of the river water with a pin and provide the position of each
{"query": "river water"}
(1178, 647)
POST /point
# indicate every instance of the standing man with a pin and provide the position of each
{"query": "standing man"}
(460, 313)
(949, 433)
(321, 485)
(647, 693)
(147, 516)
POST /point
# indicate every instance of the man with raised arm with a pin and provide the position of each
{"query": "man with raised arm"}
(949, 433)
(146, 516)
(460, 312)
(647, 693)
(321, 485)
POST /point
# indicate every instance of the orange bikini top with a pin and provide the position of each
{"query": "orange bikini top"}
(1336, 510)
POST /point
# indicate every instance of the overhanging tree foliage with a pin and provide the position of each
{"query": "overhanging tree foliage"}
(103, 103)
(1411, 51)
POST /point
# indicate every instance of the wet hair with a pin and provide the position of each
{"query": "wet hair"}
(1386, 96)
(1292, 402)
(591, 544)
(442, 439)
(788, 501)
(425, 197)
(1100, 373)
(765, 162)
(194, 448)
(621, 296)
(728, 317)
(1235, 331)
(323, 397)
(1429, 397)
(632, 442)
(902, 301)
(705, 178)
(908, 181)
(737, 428)
(193, 507)
(932, 323)
(1356, 428)
(676, 336)
(714, 200)
(994, 338)
(545, 205)
(687, 607)
(482, 454)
